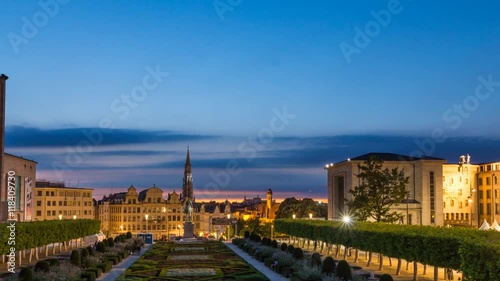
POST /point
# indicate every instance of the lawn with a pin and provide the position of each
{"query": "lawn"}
(186, 261)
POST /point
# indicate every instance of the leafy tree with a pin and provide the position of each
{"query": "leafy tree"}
(287, 208)
(379, 190)
(301, 208)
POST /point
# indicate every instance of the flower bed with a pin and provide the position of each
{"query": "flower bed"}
(208, 260)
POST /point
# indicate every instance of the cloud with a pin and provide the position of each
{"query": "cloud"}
(287, 164)
(18, 136)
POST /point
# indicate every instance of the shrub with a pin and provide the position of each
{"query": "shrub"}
(343, 270)
(75, 258)
(298, 253)
(88, 275)
(85, 253)
(26, 274)
(53, 262)
(291, 248)
(386, 277)
(315, 260)
(42, 266)
(328, 267)
(129, 235)
(101, 247)
(91, 250)
(283, 246)
(247, 234)
(274, 244)
(111, 243)
(106, 242)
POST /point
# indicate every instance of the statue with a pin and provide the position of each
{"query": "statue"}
(188, 210)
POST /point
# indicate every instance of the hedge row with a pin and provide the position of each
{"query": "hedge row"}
(471, 251)
(36, 234)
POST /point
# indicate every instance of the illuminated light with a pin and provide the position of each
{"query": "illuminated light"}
(348, 159)
(60, 217)
(310, 216)
(293, 216)
(331, 164)
(346, 219)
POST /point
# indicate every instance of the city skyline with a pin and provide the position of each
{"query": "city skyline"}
(271, 91)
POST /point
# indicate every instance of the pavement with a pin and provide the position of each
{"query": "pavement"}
(273, 276)
(120, 268)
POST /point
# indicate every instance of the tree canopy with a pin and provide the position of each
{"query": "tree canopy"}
(380, 189)
(301, 208)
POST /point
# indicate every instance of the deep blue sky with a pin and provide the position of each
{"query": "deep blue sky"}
(228, 72)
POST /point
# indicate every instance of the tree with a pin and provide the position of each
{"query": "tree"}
(379, 190)
(287, 208)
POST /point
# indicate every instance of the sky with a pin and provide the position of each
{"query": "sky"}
(108, 94)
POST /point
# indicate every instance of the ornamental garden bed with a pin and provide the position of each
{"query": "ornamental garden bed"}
(186, 261)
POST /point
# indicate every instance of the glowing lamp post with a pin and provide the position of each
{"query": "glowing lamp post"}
(74, 217)
(310, 216)
(470, 208)
(294, 216)
(60, 217)
(146, 216)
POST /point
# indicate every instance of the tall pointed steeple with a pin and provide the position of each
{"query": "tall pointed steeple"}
(187, 182)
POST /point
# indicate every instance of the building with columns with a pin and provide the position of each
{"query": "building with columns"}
(424, 205)
(451, 194)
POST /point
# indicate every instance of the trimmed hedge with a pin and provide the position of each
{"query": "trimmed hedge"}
(40, 233)
(471, 251)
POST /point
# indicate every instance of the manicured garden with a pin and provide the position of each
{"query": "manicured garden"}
(473, 252)
(86, 263)
(194, 260)
(295, 263)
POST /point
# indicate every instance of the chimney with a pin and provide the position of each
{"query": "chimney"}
(3, 190)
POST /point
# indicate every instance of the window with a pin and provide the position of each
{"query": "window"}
(52, 193)
(447, 217)
(466, 181)
(444, 205)
(496, 179)
(488, 208)
(39, 203)
(39, 213)
(460, 205)
(48, 203)
(480, 181)
(488, 181)
(47, 193)
(54, 213)
(60, 203)
(466, 203)
(466, 216)
(488, 194)
(460, 192)
(452, 203)
(432, 199)
(488, 167)
(39, 193)
(48, 213)
(481, 209)
(480, 194)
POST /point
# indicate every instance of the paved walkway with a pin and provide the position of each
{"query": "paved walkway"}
(120, 268)
(273, 276)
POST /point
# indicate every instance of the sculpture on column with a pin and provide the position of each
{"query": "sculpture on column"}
(188, 210)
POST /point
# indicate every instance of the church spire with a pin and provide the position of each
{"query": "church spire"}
(187, 182)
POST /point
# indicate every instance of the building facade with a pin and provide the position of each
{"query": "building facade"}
(450, 194)
(19, 175)
(55, 201)
(425, 187)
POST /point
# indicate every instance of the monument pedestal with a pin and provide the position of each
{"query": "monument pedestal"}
(188, 230)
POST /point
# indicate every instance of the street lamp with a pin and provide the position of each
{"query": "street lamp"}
(121, 228)
(74, 217)
(293, 216)
(272, 230)
(60, 217)
(179, 227)
(146, 216)
(310, 215)
(470, 209)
